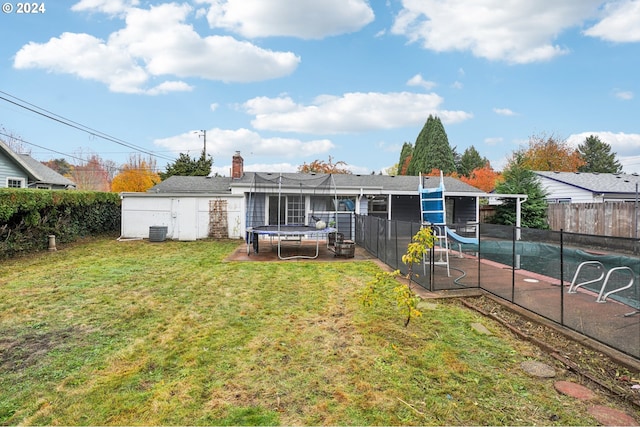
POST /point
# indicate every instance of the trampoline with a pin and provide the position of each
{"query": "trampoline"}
(292, 233)
(286, 208)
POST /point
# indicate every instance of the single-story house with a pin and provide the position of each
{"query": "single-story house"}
(193, 207)
(587, 187)
(23, 171)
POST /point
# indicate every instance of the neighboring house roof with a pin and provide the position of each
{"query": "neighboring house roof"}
(607, 183)
(193, 184)
(36, 170)
(44, 174)
(378, 183)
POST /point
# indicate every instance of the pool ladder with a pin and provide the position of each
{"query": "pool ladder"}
(602, 296)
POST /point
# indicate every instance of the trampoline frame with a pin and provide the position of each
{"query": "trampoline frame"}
(289, 232)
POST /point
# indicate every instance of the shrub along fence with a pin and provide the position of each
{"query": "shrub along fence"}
(525, 267)
(29, 216)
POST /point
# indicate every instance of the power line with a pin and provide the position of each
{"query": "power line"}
(44, 148)
(63, 120)
(83, 160)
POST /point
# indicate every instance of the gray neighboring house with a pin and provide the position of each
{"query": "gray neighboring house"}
(198, 207)
(587, 187)
(23, 171)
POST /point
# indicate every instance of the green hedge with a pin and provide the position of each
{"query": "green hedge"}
(29, 216)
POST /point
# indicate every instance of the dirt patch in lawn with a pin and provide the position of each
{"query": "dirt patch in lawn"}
(20, 350)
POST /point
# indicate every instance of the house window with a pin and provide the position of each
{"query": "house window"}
(347, 204)
(295, 210)
(378, 204)
(15, 182)
(328, 203)
(287, 210)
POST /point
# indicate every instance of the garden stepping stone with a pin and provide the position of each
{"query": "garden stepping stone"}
(481, 329)
(538, 369)
(611, 417)
(424, 305)
(574, 390)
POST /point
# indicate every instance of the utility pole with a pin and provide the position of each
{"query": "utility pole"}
(203, 134)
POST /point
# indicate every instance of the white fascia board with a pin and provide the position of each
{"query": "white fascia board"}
(505, 196)
(463, 194)
(175, 195)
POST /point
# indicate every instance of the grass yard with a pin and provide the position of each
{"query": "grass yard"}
(139, 333)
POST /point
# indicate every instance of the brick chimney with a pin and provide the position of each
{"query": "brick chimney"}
(237, 166)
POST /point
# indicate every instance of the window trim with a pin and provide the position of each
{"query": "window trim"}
(23, 182)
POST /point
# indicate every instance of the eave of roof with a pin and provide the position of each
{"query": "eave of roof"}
(361, 184)
(19, 161)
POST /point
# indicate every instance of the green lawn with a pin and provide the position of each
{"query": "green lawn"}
(139, 333)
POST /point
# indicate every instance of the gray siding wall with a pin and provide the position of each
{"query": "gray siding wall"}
(558, 190)
(8, 169)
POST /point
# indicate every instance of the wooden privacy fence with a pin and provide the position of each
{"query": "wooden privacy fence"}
(615, 219)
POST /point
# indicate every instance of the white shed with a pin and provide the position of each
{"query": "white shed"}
(186, 216)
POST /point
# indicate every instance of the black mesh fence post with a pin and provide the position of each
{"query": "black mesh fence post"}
(561, 277)
(513, 266)
(479, 253)
(396, 244)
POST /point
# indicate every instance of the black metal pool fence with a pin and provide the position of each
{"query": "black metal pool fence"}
(596, 264)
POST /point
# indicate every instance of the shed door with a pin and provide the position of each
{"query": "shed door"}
(185, 211)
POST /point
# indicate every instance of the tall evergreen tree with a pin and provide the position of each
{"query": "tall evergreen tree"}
(432, 150)
(520, 180)
(187, 166)
(598, 157)
(469, 161)
(405, 157)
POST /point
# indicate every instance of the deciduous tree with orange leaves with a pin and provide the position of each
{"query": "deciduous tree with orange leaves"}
(138, 175)
(484, 178)
(320, 166)
(549, 153)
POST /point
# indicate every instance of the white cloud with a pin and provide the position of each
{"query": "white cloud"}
(155, 42)
(625, 95)
(104, 6)
(621, 22)
(86, 57)
(351, 112)
(417, 80)
(256, 167)
(169, 86)
(493, 140)
(222, 143)
(518, 31)
(623, 144)
(306, 19)
(283, 167)
(504, 112)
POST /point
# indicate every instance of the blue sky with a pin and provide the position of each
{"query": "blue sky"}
(291, 81)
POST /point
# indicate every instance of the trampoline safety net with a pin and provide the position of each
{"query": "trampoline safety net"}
(291, 199)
